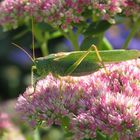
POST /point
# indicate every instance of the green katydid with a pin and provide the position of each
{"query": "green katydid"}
(77, 63)
(81, 62)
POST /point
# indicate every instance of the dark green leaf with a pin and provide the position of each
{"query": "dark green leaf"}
(89, 139)
(87, 13)
(65, 121)
(69, 134)
(21, 34)
(114, 137)
(87, 42)
(97, 28)
(45, 27)
(100, 136)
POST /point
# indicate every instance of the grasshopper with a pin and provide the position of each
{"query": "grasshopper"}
(77, 63)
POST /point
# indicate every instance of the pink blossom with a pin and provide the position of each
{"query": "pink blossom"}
(8, 131)
(60, 13)
(51, 95)
(117, 113)
(107, 102)
(4, 121)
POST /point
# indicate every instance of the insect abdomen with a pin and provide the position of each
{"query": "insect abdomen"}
(59, 67)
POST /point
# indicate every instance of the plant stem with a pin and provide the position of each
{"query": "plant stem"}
(100, 43)
(74, 40)
(36, 134)
(44, 48)
(132, 33)
(44, 44)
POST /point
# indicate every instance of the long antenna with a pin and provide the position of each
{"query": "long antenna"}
(24, 51)
(33, 39)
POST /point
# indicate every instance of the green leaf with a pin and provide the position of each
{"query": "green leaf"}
(100, 136)
(97, 28)
(69, 134)
(21, 34)
(65, 122)
(114, 137)
(87, 42)
(45, 27)
(55, 34)
(38, 34)
(88, 139)
(42, 35)
(87, 13)
(106, 44)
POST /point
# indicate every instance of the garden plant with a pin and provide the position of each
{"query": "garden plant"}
(91, 92)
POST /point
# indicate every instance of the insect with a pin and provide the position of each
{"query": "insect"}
(77, 63)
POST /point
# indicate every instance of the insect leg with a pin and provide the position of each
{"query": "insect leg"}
(61, 93)
(33, 81)
(77, 63)
(100, 58)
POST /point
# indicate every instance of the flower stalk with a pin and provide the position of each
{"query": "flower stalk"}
(135, 29)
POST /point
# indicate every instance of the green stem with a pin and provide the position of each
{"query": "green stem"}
(44, 48)
(132, 33)
(36, 134)
(100, 43)
(114, 137)
(44, 44)
(74, 40)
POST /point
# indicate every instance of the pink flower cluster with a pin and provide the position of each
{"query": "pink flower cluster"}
(62, 13)
(5, 122)
(8, 131)
(107, 102)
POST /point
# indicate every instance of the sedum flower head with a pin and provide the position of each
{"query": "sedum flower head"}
(52, 99)
(4, 122)
(109, 103)
(117, 113)
(8, 131)
(63, 13)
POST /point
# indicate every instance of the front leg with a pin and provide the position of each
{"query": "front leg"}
(33, 81)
